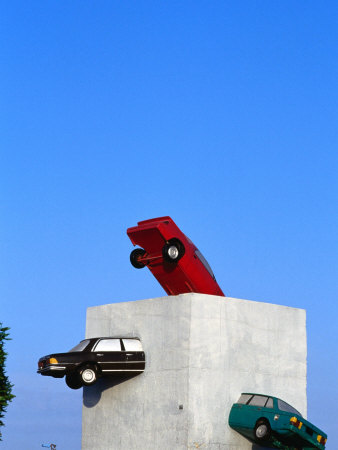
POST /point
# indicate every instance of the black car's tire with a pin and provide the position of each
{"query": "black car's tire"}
(73, 381)
(173, 250)
(88, 375)
(262, 430)
(134, 256)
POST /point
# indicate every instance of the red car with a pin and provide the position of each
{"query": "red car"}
(171, 257)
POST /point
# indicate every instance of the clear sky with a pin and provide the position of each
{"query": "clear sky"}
(222, 115)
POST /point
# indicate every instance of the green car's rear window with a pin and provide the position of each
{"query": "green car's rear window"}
(258, 400)
(283, 406)
(244, 398)
(269, 403)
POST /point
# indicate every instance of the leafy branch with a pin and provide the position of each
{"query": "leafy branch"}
(6, 395)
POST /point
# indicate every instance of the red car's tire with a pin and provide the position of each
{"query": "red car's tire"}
(173, 250)
(135, 255)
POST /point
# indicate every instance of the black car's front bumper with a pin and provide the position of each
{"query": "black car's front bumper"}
(53, 370)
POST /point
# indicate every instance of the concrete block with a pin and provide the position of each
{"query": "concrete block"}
(202, 351)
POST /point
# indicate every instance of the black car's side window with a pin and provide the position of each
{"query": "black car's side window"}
(108, 345)
(132, 345)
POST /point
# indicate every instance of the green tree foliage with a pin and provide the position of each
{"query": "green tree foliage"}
(5, 386)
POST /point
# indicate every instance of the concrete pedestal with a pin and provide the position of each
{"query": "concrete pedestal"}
(201, 352)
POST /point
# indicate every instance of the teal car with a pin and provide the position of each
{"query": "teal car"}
(271, 422)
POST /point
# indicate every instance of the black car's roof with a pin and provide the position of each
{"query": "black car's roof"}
(110, 337)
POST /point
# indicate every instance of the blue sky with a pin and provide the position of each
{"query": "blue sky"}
(222, 115)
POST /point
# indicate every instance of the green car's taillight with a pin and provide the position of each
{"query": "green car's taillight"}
(296, 423)
(321, 439)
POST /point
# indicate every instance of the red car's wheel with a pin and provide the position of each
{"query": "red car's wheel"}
(134, 258)
(173, 250)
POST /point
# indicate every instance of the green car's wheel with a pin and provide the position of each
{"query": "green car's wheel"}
(262, 430)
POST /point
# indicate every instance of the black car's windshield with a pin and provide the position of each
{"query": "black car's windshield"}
(81, 346)
(283, 406)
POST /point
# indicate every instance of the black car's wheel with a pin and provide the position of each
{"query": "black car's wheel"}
(262, 430)
(134, 258)
(73, 381)
(173, 250)
(88, 375)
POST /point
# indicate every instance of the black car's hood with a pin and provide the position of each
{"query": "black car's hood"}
(59, 355)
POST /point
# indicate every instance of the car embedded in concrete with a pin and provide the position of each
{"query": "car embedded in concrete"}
(171, 257)
(268, 420)
(94, 358)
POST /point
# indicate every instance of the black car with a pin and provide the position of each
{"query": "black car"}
(94, 358)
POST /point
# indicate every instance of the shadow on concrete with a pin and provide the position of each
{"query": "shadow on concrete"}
(259, 447)
(92, 394)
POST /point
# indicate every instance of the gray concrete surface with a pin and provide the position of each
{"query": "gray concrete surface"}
(201, 352)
